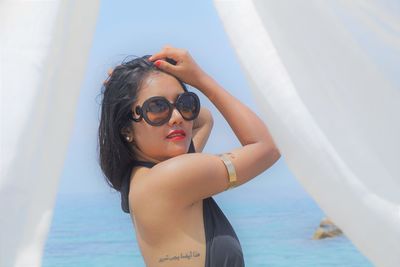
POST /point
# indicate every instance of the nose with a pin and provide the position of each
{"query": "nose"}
(176, 117)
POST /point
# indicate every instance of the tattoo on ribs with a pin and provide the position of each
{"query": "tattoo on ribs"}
(181, 256)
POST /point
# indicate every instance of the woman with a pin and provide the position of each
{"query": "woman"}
(151, 133)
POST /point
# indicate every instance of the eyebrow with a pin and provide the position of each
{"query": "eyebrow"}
(174, 99)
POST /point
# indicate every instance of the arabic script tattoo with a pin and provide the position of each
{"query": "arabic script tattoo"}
(181, 256)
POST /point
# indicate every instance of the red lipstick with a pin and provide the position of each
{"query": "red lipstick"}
(176, 135)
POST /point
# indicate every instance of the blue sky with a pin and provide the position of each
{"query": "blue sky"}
(143, 27)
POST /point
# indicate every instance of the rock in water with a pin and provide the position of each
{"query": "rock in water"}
(327, 229)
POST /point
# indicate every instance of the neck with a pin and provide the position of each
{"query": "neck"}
(143, 157)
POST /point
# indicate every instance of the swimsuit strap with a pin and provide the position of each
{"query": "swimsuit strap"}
(147, 164)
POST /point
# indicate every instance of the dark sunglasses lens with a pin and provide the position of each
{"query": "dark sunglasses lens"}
(157, 111)
(188, 105)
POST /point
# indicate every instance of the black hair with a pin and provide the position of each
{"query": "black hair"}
(119, 92)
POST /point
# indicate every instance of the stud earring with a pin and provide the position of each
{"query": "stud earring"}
(128, 139)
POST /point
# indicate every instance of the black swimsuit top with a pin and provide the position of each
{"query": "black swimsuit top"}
(222, 245)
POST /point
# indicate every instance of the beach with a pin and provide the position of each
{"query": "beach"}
(272, 215)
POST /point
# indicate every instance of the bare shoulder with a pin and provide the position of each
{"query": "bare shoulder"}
(169, 182)
(188, 178)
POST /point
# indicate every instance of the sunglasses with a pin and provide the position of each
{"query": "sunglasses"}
(157, 110)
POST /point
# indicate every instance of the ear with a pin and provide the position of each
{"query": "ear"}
(127, 132)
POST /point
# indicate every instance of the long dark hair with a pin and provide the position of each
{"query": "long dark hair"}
(119, 92)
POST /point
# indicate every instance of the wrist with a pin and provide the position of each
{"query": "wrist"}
(207, 85)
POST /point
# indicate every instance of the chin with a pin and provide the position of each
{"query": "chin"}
(176, 149)
(179, 151)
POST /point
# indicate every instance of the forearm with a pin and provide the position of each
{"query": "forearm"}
(202, 127)
(203, 120)
(246, 125)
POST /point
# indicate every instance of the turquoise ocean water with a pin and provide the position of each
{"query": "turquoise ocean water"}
(273, 217)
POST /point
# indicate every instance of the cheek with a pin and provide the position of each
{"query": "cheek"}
(148, 134)
(151, 140)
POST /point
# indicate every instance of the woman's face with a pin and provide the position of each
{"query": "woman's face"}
(150, 143)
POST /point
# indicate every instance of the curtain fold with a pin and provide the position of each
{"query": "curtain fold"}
(325, 76)
(44, 50)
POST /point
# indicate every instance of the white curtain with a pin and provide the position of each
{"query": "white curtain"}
(44, 47)
(326, 77)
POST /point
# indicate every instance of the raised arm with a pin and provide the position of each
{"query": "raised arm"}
(202, 127)
(188, 178)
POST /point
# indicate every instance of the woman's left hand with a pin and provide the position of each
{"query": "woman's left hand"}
(185, 69)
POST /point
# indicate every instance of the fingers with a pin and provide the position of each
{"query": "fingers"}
(165, 66)
(165, 58)
(170, 52)
(109, 72)
(165, 52)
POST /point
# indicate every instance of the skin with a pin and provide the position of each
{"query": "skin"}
(150, 142)
(147, 141)
(166, 200)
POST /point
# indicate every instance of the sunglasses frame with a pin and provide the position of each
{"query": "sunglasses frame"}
(139, 109)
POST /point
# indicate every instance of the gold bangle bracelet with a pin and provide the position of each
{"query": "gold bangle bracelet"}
(231, 170)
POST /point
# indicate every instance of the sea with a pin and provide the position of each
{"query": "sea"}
(272, 215)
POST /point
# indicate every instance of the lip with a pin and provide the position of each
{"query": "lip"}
(177, 138)
(181, 132)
